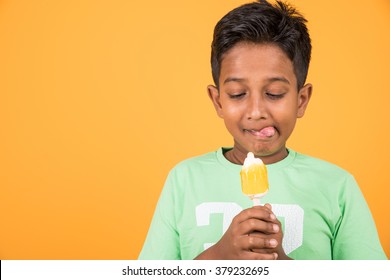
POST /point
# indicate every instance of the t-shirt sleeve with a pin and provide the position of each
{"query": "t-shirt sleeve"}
(162, 240)
(356, 236)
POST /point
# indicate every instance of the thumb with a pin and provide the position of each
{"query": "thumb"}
(268, 206)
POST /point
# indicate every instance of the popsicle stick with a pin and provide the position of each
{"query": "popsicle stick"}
(256, 201)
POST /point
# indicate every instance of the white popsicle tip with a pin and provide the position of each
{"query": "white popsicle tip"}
(250, 159)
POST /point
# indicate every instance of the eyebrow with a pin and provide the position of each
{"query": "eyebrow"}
(233, 79)
(269, 80)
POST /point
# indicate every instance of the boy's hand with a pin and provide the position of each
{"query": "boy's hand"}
(278, 235)
(254, 233)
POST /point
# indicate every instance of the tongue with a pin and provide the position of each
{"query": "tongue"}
(267, 131)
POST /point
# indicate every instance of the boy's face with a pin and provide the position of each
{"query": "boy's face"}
(259, 100)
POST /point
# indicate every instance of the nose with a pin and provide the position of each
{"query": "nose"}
(256, 108)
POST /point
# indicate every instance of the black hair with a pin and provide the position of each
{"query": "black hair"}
(261, 22)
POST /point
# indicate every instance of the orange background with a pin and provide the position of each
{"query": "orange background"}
(92, 91)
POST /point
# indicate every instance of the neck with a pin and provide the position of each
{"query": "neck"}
(237, 156)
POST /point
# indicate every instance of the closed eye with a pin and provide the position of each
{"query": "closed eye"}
(237, 96)
(273, 96)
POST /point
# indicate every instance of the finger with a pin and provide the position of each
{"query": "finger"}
(268, 206)
(255, 242)
(264, 251)
(260, 256)
(255, 225)
(258, 212)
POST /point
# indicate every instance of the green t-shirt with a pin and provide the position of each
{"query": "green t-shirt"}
(320, 206)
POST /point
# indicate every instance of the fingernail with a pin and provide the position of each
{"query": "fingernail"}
(275, 228)
(275, 256)
(273, 242)
(272, 216)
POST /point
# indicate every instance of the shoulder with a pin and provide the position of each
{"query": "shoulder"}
(197, 162)
(332, 181)
(317, 165)
(192, 168)
(323, 172)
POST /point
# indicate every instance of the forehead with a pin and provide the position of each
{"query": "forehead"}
(250, 61)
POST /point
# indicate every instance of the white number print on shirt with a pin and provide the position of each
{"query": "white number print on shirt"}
(291, 214)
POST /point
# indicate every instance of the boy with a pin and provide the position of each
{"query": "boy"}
(314, 210)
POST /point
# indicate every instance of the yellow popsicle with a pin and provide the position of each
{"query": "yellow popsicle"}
(254, 177)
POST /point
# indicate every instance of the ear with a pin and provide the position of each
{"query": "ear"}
(304, 96)
(214, 96)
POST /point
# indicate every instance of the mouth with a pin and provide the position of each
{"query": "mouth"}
(265, 133)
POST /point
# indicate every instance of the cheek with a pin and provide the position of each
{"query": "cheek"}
(232, 116)
(231, 111)
(285, 114)
(289, 106)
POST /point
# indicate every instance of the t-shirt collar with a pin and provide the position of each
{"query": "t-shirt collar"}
(236, 167)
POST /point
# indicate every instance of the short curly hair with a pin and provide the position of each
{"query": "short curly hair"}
(261, 22)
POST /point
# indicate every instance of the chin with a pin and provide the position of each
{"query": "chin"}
(270, 156)
(263, 152)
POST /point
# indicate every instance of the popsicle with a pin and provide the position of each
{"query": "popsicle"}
(254, 178)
